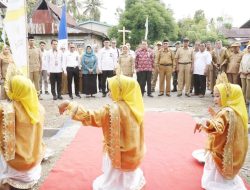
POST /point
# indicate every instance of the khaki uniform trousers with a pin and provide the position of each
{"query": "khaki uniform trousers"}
(246, 88)
(35, 78)
(233, 78)
(64, 84)
(165, 73)
(184, 78)
(212, 77)
(154, 78)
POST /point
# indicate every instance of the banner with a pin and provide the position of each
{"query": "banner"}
(63, 34)
(16, 29)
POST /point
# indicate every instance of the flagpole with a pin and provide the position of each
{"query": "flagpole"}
(27, 45)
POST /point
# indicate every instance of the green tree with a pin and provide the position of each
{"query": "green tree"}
(92, 9)
(161, 23)
(198, 28)
(30, 6)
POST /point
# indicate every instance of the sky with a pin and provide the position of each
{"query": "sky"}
(239, 10)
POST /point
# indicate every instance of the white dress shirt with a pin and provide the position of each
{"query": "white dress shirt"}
(72, 59)
(55, 61)
(201, 60)
(106, 59)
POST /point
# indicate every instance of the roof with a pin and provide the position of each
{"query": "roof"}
(94, 22)
(236, 32)
(246, 25)
(45, 4)
(3, 4)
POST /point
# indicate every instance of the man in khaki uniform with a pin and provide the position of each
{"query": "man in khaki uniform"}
(35, 63)
(165, 61)
(222, 56)
(184, 66)
(175, 73)
(156, 69)
(234, 63)
(213, 67)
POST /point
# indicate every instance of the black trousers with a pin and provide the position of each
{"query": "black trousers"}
(175, 77)
(56, 83)
(73, 72)
(143, 78)
(99, 81)
(199, 84)
(105, 75)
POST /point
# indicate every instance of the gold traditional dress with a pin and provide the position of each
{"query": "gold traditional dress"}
(123, 131)
(227, 141)
(21, 144)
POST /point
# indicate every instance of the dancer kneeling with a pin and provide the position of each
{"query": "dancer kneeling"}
(227, 138)
(122, 126)
(21, 144)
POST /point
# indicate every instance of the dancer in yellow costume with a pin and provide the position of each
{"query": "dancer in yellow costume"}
(21, 132)
(123, 130)
(227, 138)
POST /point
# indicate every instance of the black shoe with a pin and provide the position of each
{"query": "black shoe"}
(78, 95)
(92, 96)
(41, 92)
(186, 94)
(150, 95)
(71, 97)
(54, 98)
(161, 94)
(103, 95)
(46, 92)
(60, 97)
(174, 90)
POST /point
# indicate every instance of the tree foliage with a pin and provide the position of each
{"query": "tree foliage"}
(161, 23)
(198, 28)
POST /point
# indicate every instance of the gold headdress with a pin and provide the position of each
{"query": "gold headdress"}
(12, 71)
(222, 79)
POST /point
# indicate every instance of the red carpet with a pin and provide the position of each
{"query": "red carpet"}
(168, 163)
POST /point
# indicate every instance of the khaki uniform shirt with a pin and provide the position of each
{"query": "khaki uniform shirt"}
(184, 55)
(165, 57)
(34, 59)
(221, 55)
(234, 62)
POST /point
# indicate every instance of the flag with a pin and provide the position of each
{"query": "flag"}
(63, 34)
(16, 30)
(146, 29)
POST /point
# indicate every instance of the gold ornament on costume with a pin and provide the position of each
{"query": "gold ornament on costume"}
(222, 79)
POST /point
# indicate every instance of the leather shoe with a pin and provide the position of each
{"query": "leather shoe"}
(71, 97)
(188, 95)
(179, 95)
(60, 97)
(150, 95)
(161, 94)
(78, 95)
(54, 98)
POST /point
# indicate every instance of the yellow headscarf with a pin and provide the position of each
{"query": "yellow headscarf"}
(23, 90)
(127, 89)
(232, 96)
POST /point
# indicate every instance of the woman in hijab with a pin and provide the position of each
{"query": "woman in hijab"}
(123, 130)
(5, 60)
(89, 64)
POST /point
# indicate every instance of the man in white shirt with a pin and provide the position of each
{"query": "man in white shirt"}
(72, 64)
(106, 64)
(116, 51)
(202, 60)
(44, 73)
(55, 68)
